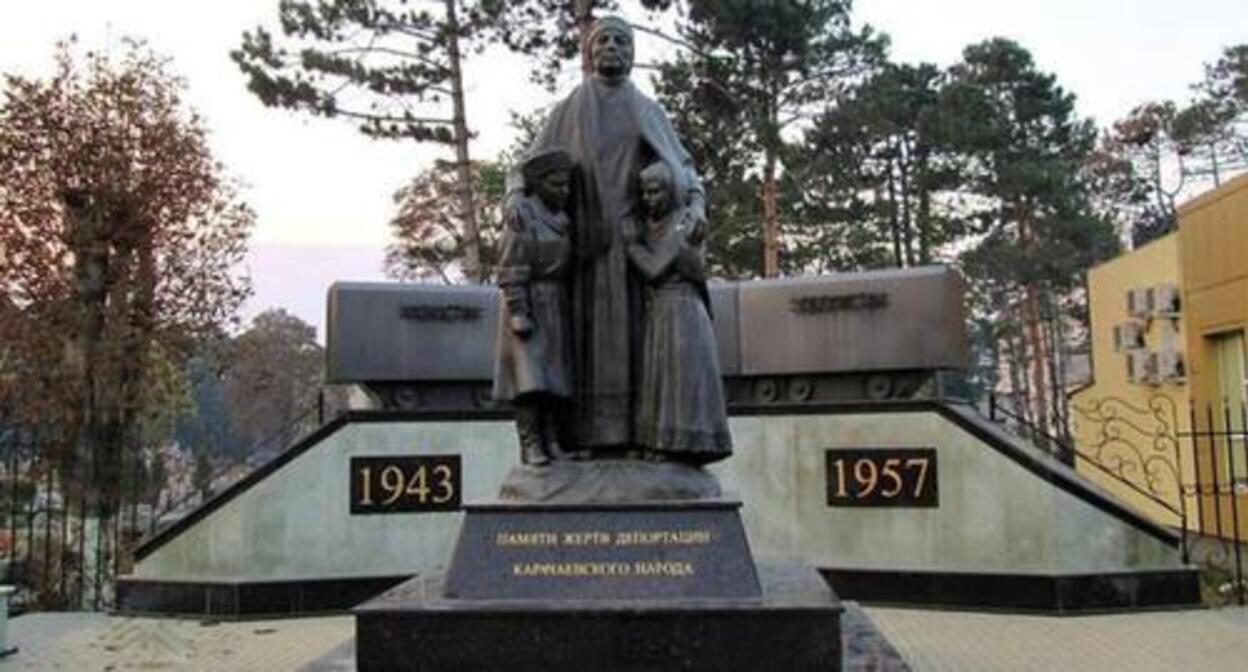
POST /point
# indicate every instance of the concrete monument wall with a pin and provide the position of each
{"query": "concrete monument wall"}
(1002, 508)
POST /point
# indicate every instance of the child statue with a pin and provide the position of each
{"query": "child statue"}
(680, 401)
(533, 369)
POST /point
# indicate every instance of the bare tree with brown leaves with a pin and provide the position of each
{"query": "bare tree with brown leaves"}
(120, 234)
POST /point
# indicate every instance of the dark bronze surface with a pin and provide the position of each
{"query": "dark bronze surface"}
(873, 321)
(371, 344)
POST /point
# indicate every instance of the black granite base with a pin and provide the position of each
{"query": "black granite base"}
(1056, 594)
(794, 626)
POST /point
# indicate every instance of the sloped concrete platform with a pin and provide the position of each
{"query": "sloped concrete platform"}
(286, 538)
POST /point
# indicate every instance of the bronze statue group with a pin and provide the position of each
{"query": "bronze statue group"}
(605, 345)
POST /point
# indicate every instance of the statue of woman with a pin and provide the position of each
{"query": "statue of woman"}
(611, 130)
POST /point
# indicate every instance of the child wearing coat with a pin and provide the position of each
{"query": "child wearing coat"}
(680, 401)
(533, 369)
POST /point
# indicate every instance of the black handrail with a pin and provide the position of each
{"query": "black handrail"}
(1067, 452)
(241, 460)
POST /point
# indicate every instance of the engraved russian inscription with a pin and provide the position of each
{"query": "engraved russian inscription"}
(405, 484)
(819, 304)
(627, 554)
(882, 477)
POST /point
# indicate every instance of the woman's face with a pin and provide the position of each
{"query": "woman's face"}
(611, 53)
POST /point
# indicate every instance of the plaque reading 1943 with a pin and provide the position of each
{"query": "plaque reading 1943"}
(405, 484)
(904, 477)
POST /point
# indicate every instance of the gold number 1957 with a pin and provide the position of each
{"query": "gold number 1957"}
(867, 476)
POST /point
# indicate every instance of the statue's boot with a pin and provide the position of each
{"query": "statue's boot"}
(529, 429)
(551, 426)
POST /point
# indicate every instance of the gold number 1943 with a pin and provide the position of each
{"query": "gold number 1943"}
(394, 483)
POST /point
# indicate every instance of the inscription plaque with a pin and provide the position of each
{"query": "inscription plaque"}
(897, 477)
(405, 483)
(629, 552)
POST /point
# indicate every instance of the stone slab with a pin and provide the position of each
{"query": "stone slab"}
(643, 551)
(794, 626)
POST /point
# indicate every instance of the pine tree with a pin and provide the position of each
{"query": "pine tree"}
(1030, 196)
(764, 68)
(395, 69)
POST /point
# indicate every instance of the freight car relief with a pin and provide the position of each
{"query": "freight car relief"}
(828, 339)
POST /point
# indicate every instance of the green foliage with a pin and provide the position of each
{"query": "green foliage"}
(752, 74)
(1162, 151)
(383, 64)
(723, 153)
(273, 379)
(881, 184)
(549, 32)
(206, 426)
(1030, 196)
(1213, 129)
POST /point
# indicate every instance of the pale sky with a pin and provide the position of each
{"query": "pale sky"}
(318, 182)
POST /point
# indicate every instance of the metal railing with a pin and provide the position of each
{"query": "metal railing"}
(1195, 477)
(226, 473)
(59, 547)
(1153, 475)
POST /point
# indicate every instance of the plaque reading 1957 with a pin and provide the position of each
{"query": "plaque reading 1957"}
(405, 484)
(904, 477)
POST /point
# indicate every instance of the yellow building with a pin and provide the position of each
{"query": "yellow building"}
(1213, 233)
(1168, 322)
(1127, 422)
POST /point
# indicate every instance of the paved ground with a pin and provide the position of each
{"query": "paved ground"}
(97, 642)
(930, 641)
(1186, 641)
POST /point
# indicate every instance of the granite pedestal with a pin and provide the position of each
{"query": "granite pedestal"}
(604, 587)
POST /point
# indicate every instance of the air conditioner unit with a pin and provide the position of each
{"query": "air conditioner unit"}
(1128, 336)
(1170, 365)
(1168, 300)
(1138, 302)
(1142, 367)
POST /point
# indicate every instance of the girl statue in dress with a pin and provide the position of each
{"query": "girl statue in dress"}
(533, 369)
(680, 413)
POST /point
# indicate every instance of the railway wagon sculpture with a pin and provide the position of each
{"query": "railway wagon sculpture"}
(852, 336)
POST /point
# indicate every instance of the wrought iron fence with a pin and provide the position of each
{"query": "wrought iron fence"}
(1218, 437)
(1187, 470)
(59, 546)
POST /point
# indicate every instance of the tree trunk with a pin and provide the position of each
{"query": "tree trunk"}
(771, 216)
(584, 11)
(1213, 164)
(1039, 356)
(1057, 373)
(925, 210)
(893, 225)
(907, 219)
(1034, 347)
(463, 165)
(92, 277)
(1018, 377)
